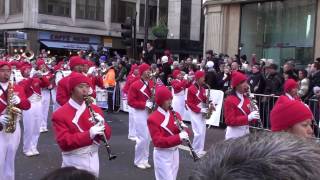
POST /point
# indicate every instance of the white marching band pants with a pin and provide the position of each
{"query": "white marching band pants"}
(31, 124)
(45, 101)
(9, 144)
(178, 103)
(141, 155)
(199, 131)
(54, 100)
(166, 163)
(132, 130)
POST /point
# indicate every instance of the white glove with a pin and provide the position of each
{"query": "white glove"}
(253, 115)
(15, 100)
(4, 119)
(149, 104)
(97, 129)
(204, 110)
(183, 135)
(99, 117)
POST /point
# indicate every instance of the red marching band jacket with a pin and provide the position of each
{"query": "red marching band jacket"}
(50, 77)
(34, 85)
(236, 111)
(139, 93)
(194, 97)
(71, 128)
(95, 81)
(179, 85)
(19, 91)
(130, 80)
(163, 130)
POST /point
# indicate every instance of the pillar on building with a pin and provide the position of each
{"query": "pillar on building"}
(107, 14)
(195, 20)
(222, 28)
(317, 38)
(174, 14)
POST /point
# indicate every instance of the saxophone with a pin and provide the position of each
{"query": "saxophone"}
(12, 111)
(208, 103)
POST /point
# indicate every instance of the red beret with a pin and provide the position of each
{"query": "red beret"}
(237, 78)
(5, 63)
(288, 113)
(175, 73)
(133, 67)
(25, 67)
(162, 94)
(76, 79)
(75, 61)
(289, 85)
(199, 74)
(143, 67)
(40, 62)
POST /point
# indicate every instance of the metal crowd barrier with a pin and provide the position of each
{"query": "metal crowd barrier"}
(266, 103)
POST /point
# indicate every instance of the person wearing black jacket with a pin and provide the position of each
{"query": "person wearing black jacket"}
(166, 70)
(274, 80)
(256, 80)
(149, 54)
(314, 78)
(211, 77)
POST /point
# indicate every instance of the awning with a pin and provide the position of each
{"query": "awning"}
(65, 45)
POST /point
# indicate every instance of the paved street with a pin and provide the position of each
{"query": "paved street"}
(120, 169)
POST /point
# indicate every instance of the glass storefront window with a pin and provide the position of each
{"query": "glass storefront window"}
(16, 6)
(185, 20)
(279, 30)
(2, 3)
(152, 15)
(90, 9)
(55, 7)
(122, 9)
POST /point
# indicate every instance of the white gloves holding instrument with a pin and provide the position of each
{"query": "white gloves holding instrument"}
(149, 104)
(4, 119)
(15, 100)
(97, 129)
(204, 110)
(183, 135)
(98, 117)
(253, 115)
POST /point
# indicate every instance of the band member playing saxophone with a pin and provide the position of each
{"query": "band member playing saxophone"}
(140, 99)
(196, 99)
(237, 108)
(9, 142)
(166, 136)
(76, 134)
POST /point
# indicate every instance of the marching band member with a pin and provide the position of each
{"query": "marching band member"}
(179, 86)
(45, 94)
(95, 79)
(9, 142)
(236, 108)
(132, 77)
(165, 136)
(139, 98)
(33, 117)
(63, 94)
(76, 136)
(293, 117)
(196, 96)
(290, 91)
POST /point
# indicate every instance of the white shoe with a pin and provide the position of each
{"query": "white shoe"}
(202, 153)
(141, 166)
(29, 153)
(147, 165)
(43, 130)
(35, 152)
(132, 138)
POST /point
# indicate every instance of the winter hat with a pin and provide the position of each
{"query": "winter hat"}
(164, 59)
(75, 61)
(176, 73)
(289, 85)
(288, 113)
(5, 63)
(199, 74)
(237, 78)
(76, 79)
(143, 67)
(210, 64)
(162, 94)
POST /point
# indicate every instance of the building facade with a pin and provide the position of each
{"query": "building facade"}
(277, 30)
(76, 24)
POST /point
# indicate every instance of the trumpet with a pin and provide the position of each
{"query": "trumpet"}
(28, 55)
(180, 127)
(88, 100)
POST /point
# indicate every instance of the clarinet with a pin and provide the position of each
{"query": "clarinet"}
(180, 127)
(88, 102)
(254, 106)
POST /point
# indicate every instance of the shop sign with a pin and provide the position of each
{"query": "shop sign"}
(68, 37)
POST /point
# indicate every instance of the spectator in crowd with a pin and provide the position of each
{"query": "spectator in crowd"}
(211, 77)
(260, 156)
(274, 81)
(149, 54)
(256, 80)
(175, 65)
(290, 74)
(120, 82)
(234, 66)
(109, 82)
(69, 173)
(166, 70)
(314, 77)
(303, 83)
(226, 79)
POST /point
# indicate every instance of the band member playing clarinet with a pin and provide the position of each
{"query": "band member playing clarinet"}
(236, 108)
(76, 134)
(166, 136)
(9, 142)
(139, 98)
